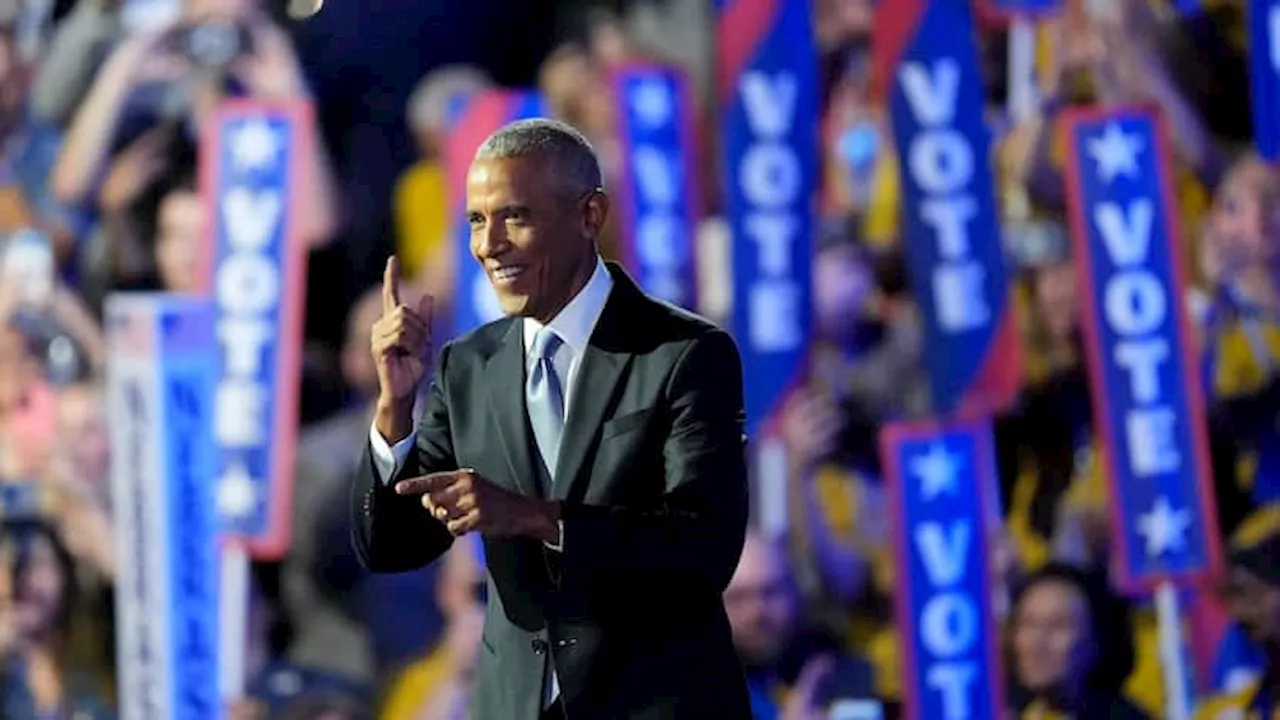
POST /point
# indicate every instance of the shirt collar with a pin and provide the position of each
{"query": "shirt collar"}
(578, 319)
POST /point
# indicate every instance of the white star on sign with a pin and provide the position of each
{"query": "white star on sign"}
(236, 493)
(1115, 152)
(652, 103)
(1164, 528)
(937, 470)
(254, 145)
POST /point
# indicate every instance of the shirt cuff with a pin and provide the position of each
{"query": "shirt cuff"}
(558, 546)
(388, 459)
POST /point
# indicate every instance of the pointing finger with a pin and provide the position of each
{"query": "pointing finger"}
(391, 285)
(429, 483)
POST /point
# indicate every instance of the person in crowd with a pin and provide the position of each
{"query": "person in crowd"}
(39, 679)
(860, 164)
(1251, 593)
(1240, 325)
(273, 681)
(840, 22)
(180, 226)
(423, 207)
(162, 79)
(867, 370)
(1046, 443)
(576, 85)
(793, 674)
(348, 621)
(1068, 652)
(1110, 54)
(439, 686)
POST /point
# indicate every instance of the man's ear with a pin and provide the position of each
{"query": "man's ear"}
(595, 213)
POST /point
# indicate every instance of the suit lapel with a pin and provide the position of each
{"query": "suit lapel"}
(504, 374)
(604, 365)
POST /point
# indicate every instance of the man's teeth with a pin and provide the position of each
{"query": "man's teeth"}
(507, 273)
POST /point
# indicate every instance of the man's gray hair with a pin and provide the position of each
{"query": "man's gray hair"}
(560, 144)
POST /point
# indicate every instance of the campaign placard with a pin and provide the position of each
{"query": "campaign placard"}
(658, 193)
(253, 157)
(479, 116)
(768, 84)
(1264, 73)
(939, 479)
(160, 381)
(1148, 402)
(950, 231)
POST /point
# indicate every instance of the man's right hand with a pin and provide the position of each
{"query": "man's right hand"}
(401, 342)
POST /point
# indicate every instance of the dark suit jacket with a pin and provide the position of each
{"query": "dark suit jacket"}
(652, 478)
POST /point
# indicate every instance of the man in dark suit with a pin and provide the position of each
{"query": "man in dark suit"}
(594, 438)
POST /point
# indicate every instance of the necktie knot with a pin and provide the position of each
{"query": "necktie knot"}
(545, 344)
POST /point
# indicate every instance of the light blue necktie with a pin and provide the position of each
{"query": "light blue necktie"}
(544, 398)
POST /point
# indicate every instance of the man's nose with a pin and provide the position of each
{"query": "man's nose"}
(490, 241)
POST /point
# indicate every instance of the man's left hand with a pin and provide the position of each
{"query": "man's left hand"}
(466, 502)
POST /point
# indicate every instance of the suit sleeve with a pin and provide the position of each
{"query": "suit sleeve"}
(394, 533)
(699, 529)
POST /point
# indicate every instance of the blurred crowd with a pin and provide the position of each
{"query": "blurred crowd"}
(100, 104)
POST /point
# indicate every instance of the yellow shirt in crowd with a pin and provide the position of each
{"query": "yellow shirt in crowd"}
(421, 215)
(414, 688)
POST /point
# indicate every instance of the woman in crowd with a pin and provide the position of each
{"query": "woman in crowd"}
(40, 679)
(1068, 652)
(1240, 319)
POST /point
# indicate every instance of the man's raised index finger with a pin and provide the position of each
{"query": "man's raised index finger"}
(391, 284)
(428, 483)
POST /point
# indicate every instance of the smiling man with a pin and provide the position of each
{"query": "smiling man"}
(593, 438)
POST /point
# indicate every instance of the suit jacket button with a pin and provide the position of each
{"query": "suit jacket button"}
(539, 646)
(566, 642)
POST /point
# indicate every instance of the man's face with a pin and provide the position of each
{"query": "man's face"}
(761, 604)
(532, 236)
(1254, 604)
